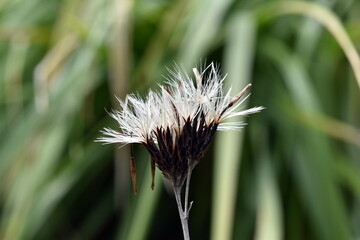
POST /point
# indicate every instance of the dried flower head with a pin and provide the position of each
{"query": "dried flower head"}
(177, 124)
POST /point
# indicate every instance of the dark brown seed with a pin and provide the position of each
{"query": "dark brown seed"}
(133, 168)
(152, 173)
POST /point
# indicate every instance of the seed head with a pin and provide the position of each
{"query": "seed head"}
(177, 123)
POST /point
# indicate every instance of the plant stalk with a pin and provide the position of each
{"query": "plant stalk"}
(184, 213)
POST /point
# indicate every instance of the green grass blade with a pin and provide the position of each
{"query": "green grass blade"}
(269, 212)
(228, 148)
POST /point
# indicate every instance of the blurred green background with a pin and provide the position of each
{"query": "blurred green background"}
(292, 173)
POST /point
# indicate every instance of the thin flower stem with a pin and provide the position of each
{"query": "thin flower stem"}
(187, 187)
(184, 213)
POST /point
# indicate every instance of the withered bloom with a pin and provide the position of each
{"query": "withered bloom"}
(177, 124)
